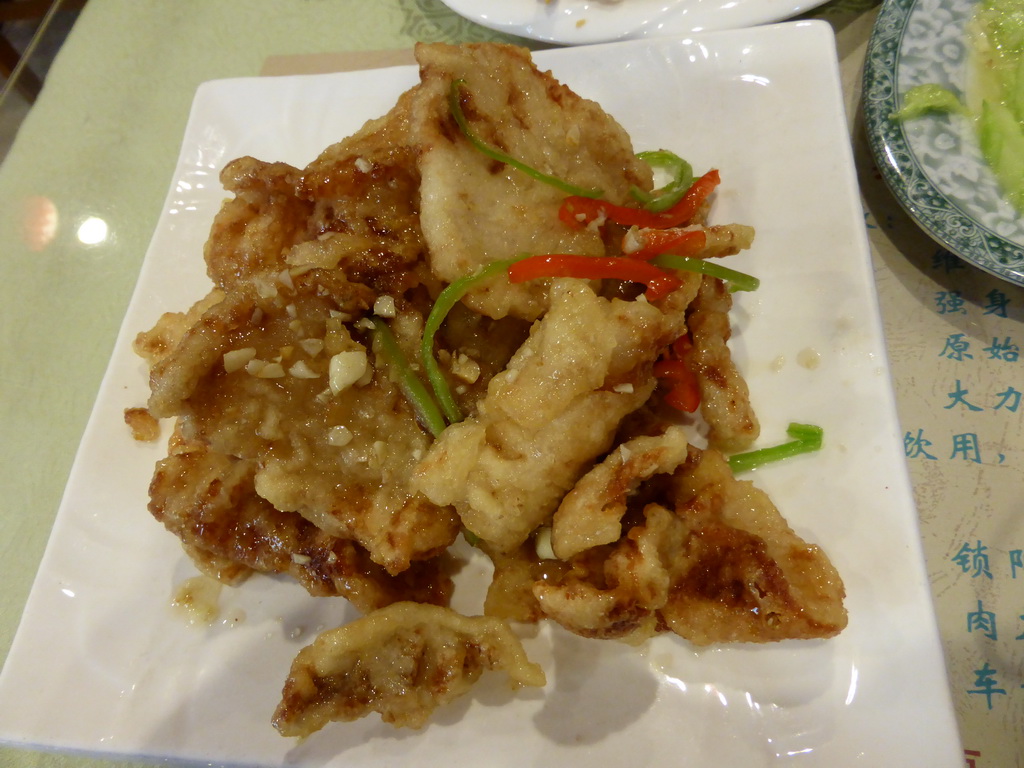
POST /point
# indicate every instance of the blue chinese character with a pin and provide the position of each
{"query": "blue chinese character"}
(975, 558)
(997, 301)
(982, 620)
(1016, 561)
(986, 682)
(956, 348)
(950, 303)
(916, 446)
(1003, 350)
(1021, 635)
(957, 396)
(966, 447)
(1009, 399)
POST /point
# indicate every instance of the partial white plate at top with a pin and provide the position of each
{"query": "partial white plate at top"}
(102, 664)
(933, 164)
(576, 22)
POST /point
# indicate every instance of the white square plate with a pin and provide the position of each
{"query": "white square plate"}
(102, 664)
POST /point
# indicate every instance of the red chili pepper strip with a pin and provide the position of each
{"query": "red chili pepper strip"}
(684, 392)
(579, 211)
(659, 283)
(682, 346)
(655, 242)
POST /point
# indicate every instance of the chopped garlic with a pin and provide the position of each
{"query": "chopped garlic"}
(301, 370)
(266, 290)
(339, 436)
(347, 368)
(542, 543)
(363, 165)
(237, 359)
(261, 369)
(312, 347)
(385, 306)
(272, 371)
(623, 389)
(466, 368)
(631, 242)
(300, 559)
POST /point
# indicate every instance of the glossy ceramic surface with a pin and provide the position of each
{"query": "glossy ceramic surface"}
(575, 22)
(102, 664)
(933, 164)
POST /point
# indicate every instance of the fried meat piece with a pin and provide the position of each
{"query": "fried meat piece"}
(158, 341)
(338, 451)
(365, 196)
(724, 396)
(591, 513)
(475, 210)
(722, 566)
(355, 207)
(510, 593)
(144, 426)
(745, 575)
(545, 419)
(217, 567)
(209, 501)
(254, 228)
(403, 662)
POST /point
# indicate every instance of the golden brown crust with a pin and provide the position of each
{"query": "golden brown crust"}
(721, 566)
(725, 398)
(209, 501)
(402, 662)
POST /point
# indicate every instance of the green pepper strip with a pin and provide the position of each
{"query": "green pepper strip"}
(806, 439)
(447, 299)
(427, 412)
(664, 197)
(738, 281)
(454, 105)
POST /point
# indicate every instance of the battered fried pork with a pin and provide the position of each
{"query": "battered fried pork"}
(403, 662)
(724, 397)
(298, 448)
(512, 105)
(264, 390)
(717, 564)
(210, 502)
(554, 409)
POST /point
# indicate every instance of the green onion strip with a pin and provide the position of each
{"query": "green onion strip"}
(664, 197)
(738, 281)
(455, 106)
(807, 438)
(446, 300)
(414, 390)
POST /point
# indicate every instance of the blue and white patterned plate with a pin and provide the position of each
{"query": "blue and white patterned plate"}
(933, 164)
